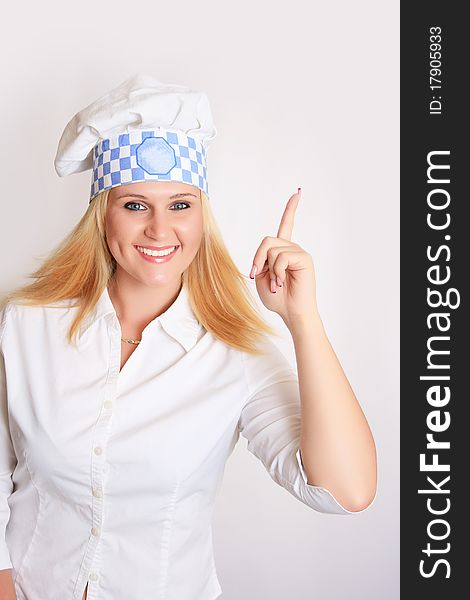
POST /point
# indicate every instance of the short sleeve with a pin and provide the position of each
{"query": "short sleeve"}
(7, 455)
(270, 420)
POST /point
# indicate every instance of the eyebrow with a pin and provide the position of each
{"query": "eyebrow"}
(180, 195)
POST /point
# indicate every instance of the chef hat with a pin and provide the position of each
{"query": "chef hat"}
(143, 130)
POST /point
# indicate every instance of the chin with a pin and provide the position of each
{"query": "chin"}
(160, 279)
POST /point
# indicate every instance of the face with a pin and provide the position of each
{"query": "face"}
(149, 216)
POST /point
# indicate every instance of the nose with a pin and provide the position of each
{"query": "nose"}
(158, 227)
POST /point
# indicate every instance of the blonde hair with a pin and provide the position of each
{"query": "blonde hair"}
(82, 266)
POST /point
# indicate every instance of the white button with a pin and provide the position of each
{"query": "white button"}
(94, 577)
(108, 404)
(95, 531)
(98, 450)
(97, 493)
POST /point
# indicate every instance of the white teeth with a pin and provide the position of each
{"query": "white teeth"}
(155, 252)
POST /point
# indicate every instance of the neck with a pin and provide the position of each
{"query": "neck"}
(137, 304)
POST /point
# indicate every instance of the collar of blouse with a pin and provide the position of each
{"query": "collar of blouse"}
(178, 320)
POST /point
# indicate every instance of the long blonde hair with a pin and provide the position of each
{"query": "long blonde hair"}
(82, 266)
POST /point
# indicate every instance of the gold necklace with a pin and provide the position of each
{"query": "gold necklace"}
(135, 342)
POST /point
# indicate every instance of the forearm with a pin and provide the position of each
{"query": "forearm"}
(337, 446)
(7, 589)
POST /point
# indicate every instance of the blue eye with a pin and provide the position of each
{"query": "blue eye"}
(184, 203)
(132, 203)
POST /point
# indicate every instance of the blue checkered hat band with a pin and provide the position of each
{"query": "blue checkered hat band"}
(148, 155)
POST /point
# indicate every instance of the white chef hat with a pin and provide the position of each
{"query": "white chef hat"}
(143, 130)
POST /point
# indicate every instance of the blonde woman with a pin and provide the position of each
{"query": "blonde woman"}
(136, 358)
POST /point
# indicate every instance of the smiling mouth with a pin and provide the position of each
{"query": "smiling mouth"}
(153, 251)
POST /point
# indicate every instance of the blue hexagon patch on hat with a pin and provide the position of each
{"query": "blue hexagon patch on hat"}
(156, 156)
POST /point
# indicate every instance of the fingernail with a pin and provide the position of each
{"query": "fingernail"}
(299, 190)
(254, 268)
(273, 286)
(279, 282)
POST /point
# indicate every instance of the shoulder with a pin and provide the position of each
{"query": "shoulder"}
(271, 366)
(5, 309)
(27, 318)
(18, 309)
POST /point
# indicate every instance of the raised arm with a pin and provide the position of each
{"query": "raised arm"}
(337, 447)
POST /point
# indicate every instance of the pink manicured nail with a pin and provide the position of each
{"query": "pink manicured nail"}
(279, 282)
(273, 286)
(254, 268)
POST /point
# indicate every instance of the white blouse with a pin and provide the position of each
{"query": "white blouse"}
(109, 477)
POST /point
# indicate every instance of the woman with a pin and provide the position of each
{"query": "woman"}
(136, 358)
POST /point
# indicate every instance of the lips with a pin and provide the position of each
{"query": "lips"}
(156, 247)
(157, 259)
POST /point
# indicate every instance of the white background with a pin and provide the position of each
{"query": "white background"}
(303, 93)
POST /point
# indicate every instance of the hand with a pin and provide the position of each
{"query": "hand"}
(280, 261)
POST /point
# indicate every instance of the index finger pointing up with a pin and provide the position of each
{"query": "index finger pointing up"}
(287, 220)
